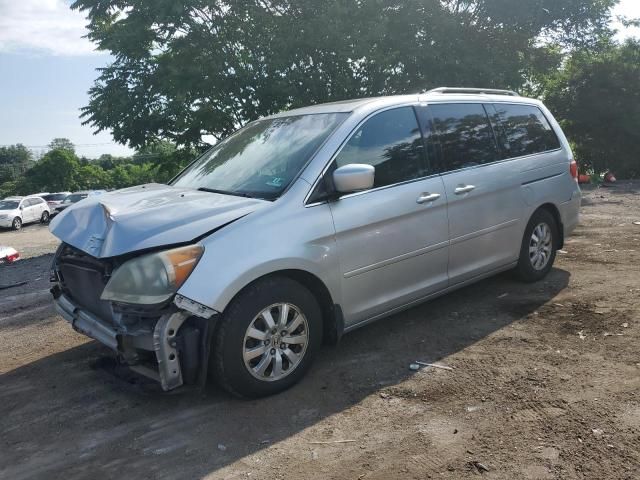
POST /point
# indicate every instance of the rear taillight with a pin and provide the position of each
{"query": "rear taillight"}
(573, 169)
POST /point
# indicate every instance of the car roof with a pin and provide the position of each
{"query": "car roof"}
(435, 96)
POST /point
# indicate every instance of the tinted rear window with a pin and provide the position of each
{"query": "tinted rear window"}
(54, 197)
(465, 135)
(75, 197)
(526, 130)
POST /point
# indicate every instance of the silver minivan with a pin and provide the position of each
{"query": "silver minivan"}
(311, 223)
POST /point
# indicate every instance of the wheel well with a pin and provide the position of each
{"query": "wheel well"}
(553, 210)
(332, 322)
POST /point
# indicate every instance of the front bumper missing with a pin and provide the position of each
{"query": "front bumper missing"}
(87, 323)
(163, 342)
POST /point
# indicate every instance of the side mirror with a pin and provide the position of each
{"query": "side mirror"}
(354, 177)
(21, 207)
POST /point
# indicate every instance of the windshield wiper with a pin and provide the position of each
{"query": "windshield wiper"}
(224, 192)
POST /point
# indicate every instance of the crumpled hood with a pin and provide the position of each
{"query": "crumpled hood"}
(146, 216)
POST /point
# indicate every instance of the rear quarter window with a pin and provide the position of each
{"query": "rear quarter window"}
(525, 130)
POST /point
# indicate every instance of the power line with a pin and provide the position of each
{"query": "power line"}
(75, 145)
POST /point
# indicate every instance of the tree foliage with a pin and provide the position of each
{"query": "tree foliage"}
(187, 68)
(14, 161)
(62, 144)
(60, 169)
(597, 97)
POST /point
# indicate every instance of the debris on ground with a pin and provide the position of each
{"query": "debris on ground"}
(503, 295)
(8, 255)
(414, 367)
(330, 442)
(480, 467)
(434, 365)
(581, 335)
(13, 285)
(222, 447)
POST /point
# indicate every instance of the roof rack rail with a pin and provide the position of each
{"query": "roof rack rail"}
(489, 91)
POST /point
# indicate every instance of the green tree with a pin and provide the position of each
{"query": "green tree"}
(58, 170)
(597, 97)
(62, 144)
(186, 68)
(166, 156)
(92, 177)
(14, 161)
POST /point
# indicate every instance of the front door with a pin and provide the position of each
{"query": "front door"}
(392, 240)
(28, 211)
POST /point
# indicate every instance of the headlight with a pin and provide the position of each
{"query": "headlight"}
(152, 278)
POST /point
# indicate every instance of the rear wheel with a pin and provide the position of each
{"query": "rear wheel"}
(539, 245)
(17, 223)
(267, 338)
(44, 218)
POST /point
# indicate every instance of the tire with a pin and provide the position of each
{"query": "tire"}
(537, 257)
(233, 342)
(17, 223)
(44, 218)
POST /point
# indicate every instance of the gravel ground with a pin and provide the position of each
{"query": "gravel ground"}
(545, 385)
(31, 241)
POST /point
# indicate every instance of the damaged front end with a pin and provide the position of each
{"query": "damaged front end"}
(130, 304)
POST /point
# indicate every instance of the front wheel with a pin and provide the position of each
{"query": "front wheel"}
(44, 218)
(17, 223)
(539, 246)
(267, 338)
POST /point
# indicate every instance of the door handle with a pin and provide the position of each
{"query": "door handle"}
(427, 197)
(463, 189)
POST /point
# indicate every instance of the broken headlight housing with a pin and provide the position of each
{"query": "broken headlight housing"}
(153, 278)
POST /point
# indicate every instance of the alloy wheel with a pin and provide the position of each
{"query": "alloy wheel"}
(540, 246)
(275, 342)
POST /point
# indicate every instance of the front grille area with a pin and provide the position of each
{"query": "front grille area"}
(83, 278)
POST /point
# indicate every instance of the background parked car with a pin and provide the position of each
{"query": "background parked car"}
(17, 211)
(75, 198)
(55, 199)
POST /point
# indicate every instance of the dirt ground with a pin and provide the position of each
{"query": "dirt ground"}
(545, 385)
(31, 241)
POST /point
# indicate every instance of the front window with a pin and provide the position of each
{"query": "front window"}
(391, 142)
(261, 159)
(8, 204)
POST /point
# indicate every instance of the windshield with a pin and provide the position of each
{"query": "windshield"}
(75, 197)
(55, 197)
(8, 204)
(261, 159)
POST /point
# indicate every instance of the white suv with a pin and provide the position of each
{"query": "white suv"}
(17, 211)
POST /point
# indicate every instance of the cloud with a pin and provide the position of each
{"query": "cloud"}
(43, 27)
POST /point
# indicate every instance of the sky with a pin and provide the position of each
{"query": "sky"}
(47, 67)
